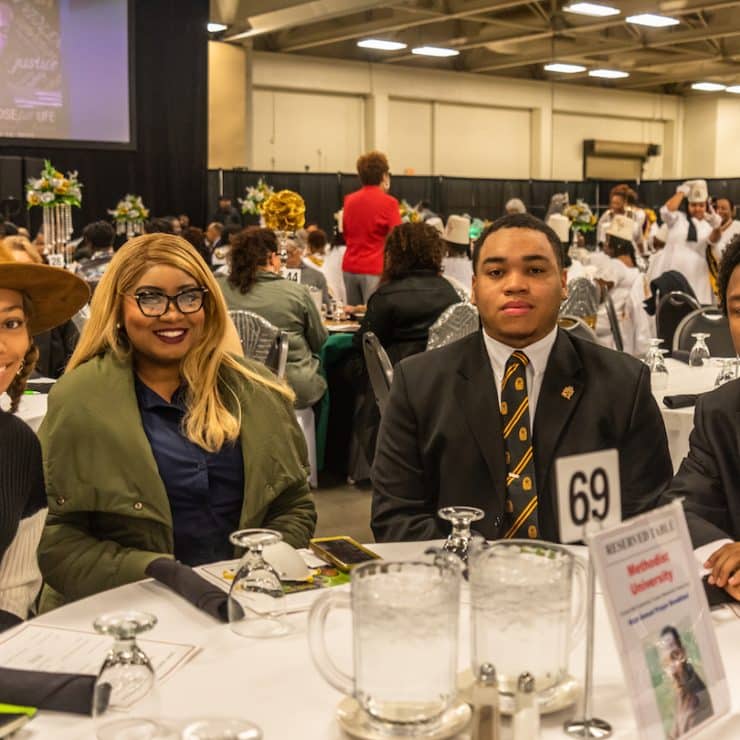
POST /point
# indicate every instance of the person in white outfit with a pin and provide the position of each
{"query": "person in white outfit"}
(456, 266)
(687, 239)
(634, 323)
(721, 236)
(622, 201)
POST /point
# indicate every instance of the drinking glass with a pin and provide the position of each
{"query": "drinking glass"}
(125, 677)
(700, 351)
(522, 611)
(221, 729)
(405, 631)
(461, 517)
(658, 369)
(256, 604)
(727, 372)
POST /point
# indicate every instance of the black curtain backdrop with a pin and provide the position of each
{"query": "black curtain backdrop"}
(171, 98)
(324, 193)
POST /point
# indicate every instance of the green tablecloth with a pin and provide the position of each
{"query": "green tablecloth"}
(333, 351)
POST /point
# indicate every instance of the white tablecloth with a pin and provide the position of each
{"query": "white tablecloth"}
(274, 683)
(679, 422)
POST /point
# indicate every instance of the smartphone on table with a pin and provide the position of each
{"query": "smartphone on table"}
(342, 552)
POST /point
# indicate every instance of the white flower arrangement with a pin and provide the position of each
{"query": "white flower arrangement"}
(255, 198)
(53, 188)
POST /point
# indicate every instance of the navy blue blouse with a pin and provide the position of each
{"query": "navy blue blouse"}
(205, 489)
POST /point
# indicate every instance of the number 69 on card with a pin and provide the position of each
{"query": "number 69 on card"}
(589, 493)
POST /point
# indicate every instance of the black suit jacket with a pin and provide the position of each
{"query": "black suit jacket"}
(709, 476)
(441, 442)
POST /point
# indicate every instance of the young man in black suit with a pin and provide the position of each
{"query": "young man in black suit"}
(709, 476)
(481, 421)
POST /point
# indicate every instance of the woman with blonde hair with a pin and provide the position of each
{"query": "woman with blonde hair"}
(157, 441)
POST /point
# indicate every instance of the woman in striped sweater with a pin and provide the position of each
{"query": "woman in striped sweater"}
(33, 299)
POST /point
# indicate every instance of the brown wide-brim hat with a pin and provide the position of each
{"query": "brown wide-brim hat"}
(56, 294)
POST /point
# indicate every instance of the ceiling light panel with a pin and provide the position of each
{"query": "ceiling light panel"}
(593, 9)
(708, 86)
(608, 74)
(381, 44)
(652, 21)
(567, 69)
(434, 51)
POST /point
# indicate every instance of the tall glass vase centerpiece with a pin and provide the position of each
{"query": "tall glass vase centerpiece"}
(284, 212)
(56, 194)
(129, 215)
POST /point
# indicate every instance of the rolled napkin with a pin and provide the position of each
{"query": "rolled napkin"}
(680, 401)
(682, 355)
(57, 692)
(183, 580)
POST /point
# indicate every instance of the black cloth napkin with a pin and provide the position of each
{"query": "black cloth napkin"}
(680, 401)
(58, 692)
(682, 355)
(716, 596)
(183, 580)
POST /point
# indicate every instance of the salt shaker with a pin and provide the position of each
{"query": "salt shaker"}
(526, 721)
(486, 715)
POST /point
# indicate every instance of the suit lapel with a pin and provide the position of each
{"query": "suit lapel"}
(479, 401)
(562, 388)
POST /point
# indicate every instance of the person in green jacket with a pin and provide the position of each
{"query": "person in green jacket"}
(255, 284)
(157, 441)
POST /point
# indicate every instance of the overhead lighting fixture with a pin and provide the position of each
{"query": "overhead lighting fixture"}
(652, 21)
(608, 74)
(381, 44)
(594, 9)
(566, 69)
(708, 86)
(216, 27)
(735, 89)
(434, 51)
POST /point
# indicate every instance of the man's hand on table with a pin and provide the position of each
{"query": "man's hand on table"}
(724, 564)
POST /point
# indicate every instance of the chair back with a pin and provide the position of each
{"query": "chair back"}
(455, 322)
(709, 320)
(379, 368)
(577, 327)
(582, 301)
(261, 341)
(611, 314)
(671, 309)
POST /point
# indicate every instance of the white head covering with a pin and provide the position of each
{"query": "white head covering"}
(457, 230)
(699, 192)
(621, 226)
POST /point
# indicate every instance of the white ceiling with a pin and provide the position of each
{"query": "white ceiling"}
(513, 38)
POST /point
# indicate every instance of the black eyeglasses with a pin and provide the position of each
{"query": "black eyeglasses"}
(154, 303)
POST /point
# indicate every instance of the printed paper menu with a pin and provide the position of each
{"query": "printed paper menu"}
(662, 623)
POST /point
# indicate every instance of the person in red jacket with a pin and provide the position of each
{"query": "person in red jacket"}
(369, 215)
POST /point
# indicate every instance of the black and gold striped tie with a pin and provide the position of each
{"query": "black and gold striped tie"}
(521, 489)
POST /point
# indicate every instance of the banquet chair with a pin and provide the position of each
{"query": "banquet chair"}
(379, 368)
(577, 327)
(261, 341)
(611, 314)
(455, 322)
(582, 301)
(671, 309)
(709, 320)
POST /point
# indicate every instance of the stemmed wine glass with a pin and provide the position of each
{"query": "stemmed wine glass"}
(461, 517)
(655, 361)
(256, 605)
(700, 351)
(125, 677)
(727, 372)
(221, 729)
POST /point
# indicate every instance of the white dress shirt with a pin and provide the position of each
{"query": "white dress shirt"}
(538, 354)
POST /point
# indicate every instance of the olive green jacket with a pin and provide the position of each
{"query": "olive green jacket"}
(109, 515)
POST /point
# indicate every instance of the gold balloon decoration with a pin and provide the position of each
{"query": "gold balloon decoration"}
(284, 211)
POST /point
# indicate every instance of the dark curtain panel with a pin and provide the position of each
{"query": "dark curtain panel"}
(171, 97)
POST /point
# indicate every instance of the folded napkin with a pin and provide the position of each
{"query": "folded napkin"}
(716, 596)
(682, 355)
(58, 692)
(183, 580)
(680, 401)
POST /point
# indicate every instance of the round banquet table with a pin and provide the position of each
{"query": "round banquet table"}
(274, 683)
(679, 422)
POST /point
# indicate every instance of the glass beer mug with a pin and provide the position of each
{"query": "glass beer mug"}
(405, 629)
(522, 616)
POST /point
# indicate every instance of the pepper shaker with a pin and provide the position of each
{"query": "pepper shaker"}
(486, 715)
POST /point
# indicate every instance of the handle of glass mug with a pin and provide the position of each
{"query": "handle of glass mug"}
(579, 618)
(317, 617)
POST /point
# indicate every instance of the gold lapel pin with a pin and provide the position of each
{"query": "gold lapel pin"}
(568, 392)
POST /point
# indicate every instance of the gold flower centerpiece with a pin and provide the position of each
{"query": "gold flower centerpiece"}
(284, 212)
(56, 194)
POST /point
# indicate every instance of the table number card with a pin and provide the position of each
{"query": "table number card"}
(662, 624)
(292, 274)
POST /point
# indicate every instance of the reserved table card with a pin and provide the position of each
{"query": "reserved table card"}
(662, 623)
